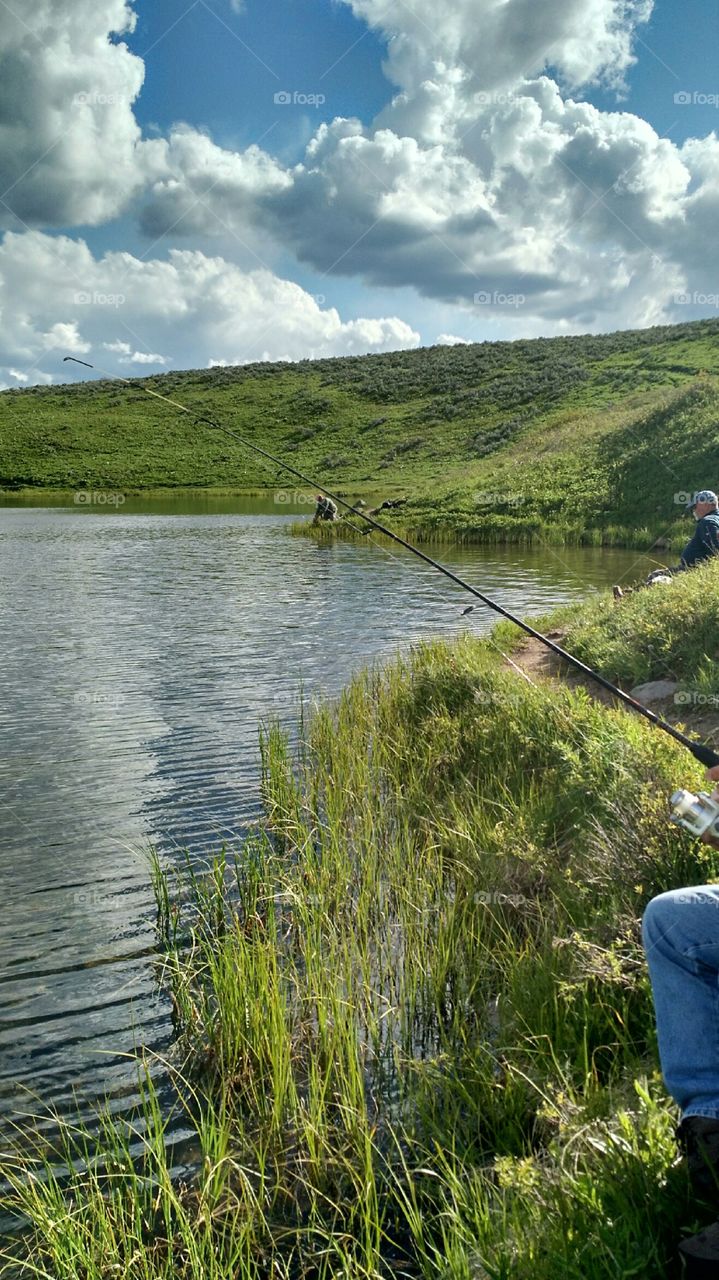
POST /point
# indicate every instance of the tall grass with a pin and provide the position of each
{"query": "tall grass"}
(669, 632)
(457, 528)
(414, 1031)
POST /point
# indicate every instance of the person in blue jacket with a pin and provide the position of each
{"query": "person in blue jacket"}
(705, 542)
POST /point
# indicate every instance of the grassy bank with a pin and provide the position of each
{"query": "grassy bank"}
(515, 442)
(619, 479)
(413, 1017)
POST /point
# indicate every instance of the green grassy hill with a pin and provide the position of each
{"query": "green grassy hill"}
(584, 438)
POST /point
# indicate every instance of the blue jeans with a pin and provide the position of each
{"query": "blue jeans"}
(681, 939)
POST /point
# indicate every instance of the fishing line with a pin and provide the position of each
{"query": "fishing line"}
(702, 753)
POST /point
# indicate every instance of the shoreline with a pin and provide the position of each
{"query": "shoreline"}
(496, 531)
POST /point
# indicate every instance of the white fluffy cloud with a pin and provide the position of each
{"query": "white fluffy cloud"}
(498, 45)
(550, 206)
(202, 310)
(481, 178)
(197, 186)
(70, 148)
(483, 185)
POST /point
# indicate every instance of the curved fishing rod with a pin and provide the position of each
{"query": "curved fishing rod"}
(703, 754)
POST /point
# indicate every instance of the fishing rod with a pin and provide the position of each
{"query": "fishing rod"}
(702, 753)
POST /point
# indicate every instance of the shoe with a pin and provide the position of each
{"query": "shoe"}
(698, 1136)
(700, 1254)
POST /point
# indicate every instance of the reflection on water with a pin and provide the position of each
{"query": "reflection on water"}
(140, 652)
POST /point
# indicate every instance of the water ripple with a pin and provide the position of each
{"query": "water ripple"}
(140, 652)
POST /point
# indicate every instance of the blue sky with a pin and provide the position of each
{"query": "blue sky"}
(676, 51)
(446, 170)
(220, 70)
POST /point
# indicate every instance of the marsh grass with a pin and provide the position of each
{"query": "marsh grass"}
(449, 527)
(414, 1030)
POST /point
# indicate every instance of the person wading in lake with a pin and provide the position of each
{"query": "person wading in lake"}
(326, 509)
(681, 940)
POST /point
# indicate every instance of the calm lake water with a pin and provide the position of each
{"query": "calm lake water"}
(140, 649)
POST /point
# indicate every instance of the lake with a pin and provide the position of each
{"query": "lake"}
(142, 646)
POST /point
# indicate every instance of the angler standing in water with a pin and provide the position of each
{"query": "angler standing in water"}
(326, 509)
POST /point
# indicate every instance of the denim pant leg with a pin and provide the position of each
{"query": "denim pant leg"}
(681, 939)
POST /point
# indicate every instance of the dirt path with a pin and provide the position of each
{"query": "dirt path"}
(539, 663)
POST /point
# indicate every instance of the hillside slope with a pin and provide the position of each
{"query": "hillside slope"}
(490, 440)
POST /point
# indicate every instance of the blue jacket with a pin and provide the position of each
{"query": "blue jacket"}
(705, 542)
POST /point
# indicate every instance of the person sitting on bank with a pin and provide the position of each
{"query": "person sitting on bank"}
(705, 542)
(681, 941)
(326, 509)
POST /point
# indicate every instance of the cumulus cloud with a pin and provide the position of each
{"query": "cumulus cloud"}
(61, 299)
(65, 337)
(143, 357)
(69, 140)
(499, 44)
(199, 187)
(481, 177)
(588, 216)
(485, 184)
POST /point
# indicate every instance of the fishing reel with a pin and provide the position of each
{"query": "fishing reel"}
(698, 814)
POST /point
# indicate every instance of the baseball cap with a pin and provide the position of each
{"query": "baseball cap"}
(704, 495)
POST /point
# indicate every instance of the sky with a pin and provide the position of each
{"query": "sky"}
(192, 183)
